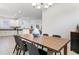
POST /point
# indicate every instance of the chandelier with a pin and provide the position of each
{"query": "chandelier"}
(41, 5)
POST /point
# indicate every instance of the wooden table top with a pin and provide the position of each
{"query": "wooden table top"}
(49, 42)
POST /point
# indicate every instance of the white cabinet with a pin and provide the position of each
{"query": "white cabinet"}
(9, 32)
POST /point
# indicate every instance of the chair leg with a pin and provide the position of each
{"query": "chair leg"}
(42, 47)
(60, 53)
(15, 48)
(23, 52)
(20, 52)
(17, 51)
(55, 53)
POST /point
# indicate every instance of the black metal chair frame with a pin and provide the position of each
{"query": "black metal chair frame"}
(20, 45)
(33, 50)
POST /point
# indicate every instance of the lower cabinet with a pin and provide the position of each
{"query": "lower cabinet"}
(75, 41)
(9, 33)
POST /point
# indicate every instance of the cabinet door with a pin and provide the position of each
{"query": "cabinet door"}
(75, 44)
(75, 41)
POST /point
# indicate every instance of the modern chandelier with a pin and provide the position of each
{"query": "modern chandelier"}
(41, 5)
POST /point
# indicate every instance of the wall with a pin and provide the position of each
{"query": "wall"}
(60, 19)
(4, 23)
(27, 22)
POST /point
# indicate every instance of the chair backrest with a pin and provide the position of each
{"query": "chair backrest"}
(22, 45)
(58, 36)
(45, 34)
(19, 42)
(17, 38)
(33, 50)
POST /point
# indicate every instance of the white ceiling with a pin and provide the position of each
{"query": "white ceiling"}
(11, 9)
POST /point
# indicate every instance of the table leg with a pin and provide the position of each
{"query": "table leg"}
(65, 49)
(50, 52)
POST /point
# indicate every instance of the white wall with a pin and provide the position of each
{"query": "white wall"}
(4, 23)
(27, 22)
(60, 19)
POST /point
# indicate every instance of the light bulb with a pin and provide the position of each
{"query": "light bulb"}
(41, 5)
(33, 4)
(49, 4)
(38, 7)
(46, 6)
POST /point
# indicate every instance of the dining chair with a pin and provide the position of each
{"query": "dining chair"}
(58, 36)
(20, 45)
(33, 50)
(23, 47)
(45, 34)
(17, 44)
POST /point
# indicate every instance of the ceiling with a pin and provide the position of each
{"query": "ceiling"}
(19, 9)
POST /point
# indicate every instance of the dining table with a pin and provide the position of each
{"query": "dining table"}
(53, 44)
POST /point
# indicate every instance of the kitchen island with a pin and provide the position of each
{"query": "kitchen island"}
(9, 31)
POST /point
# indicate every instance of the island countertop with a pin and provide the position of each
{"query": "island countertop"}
(11, 29)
